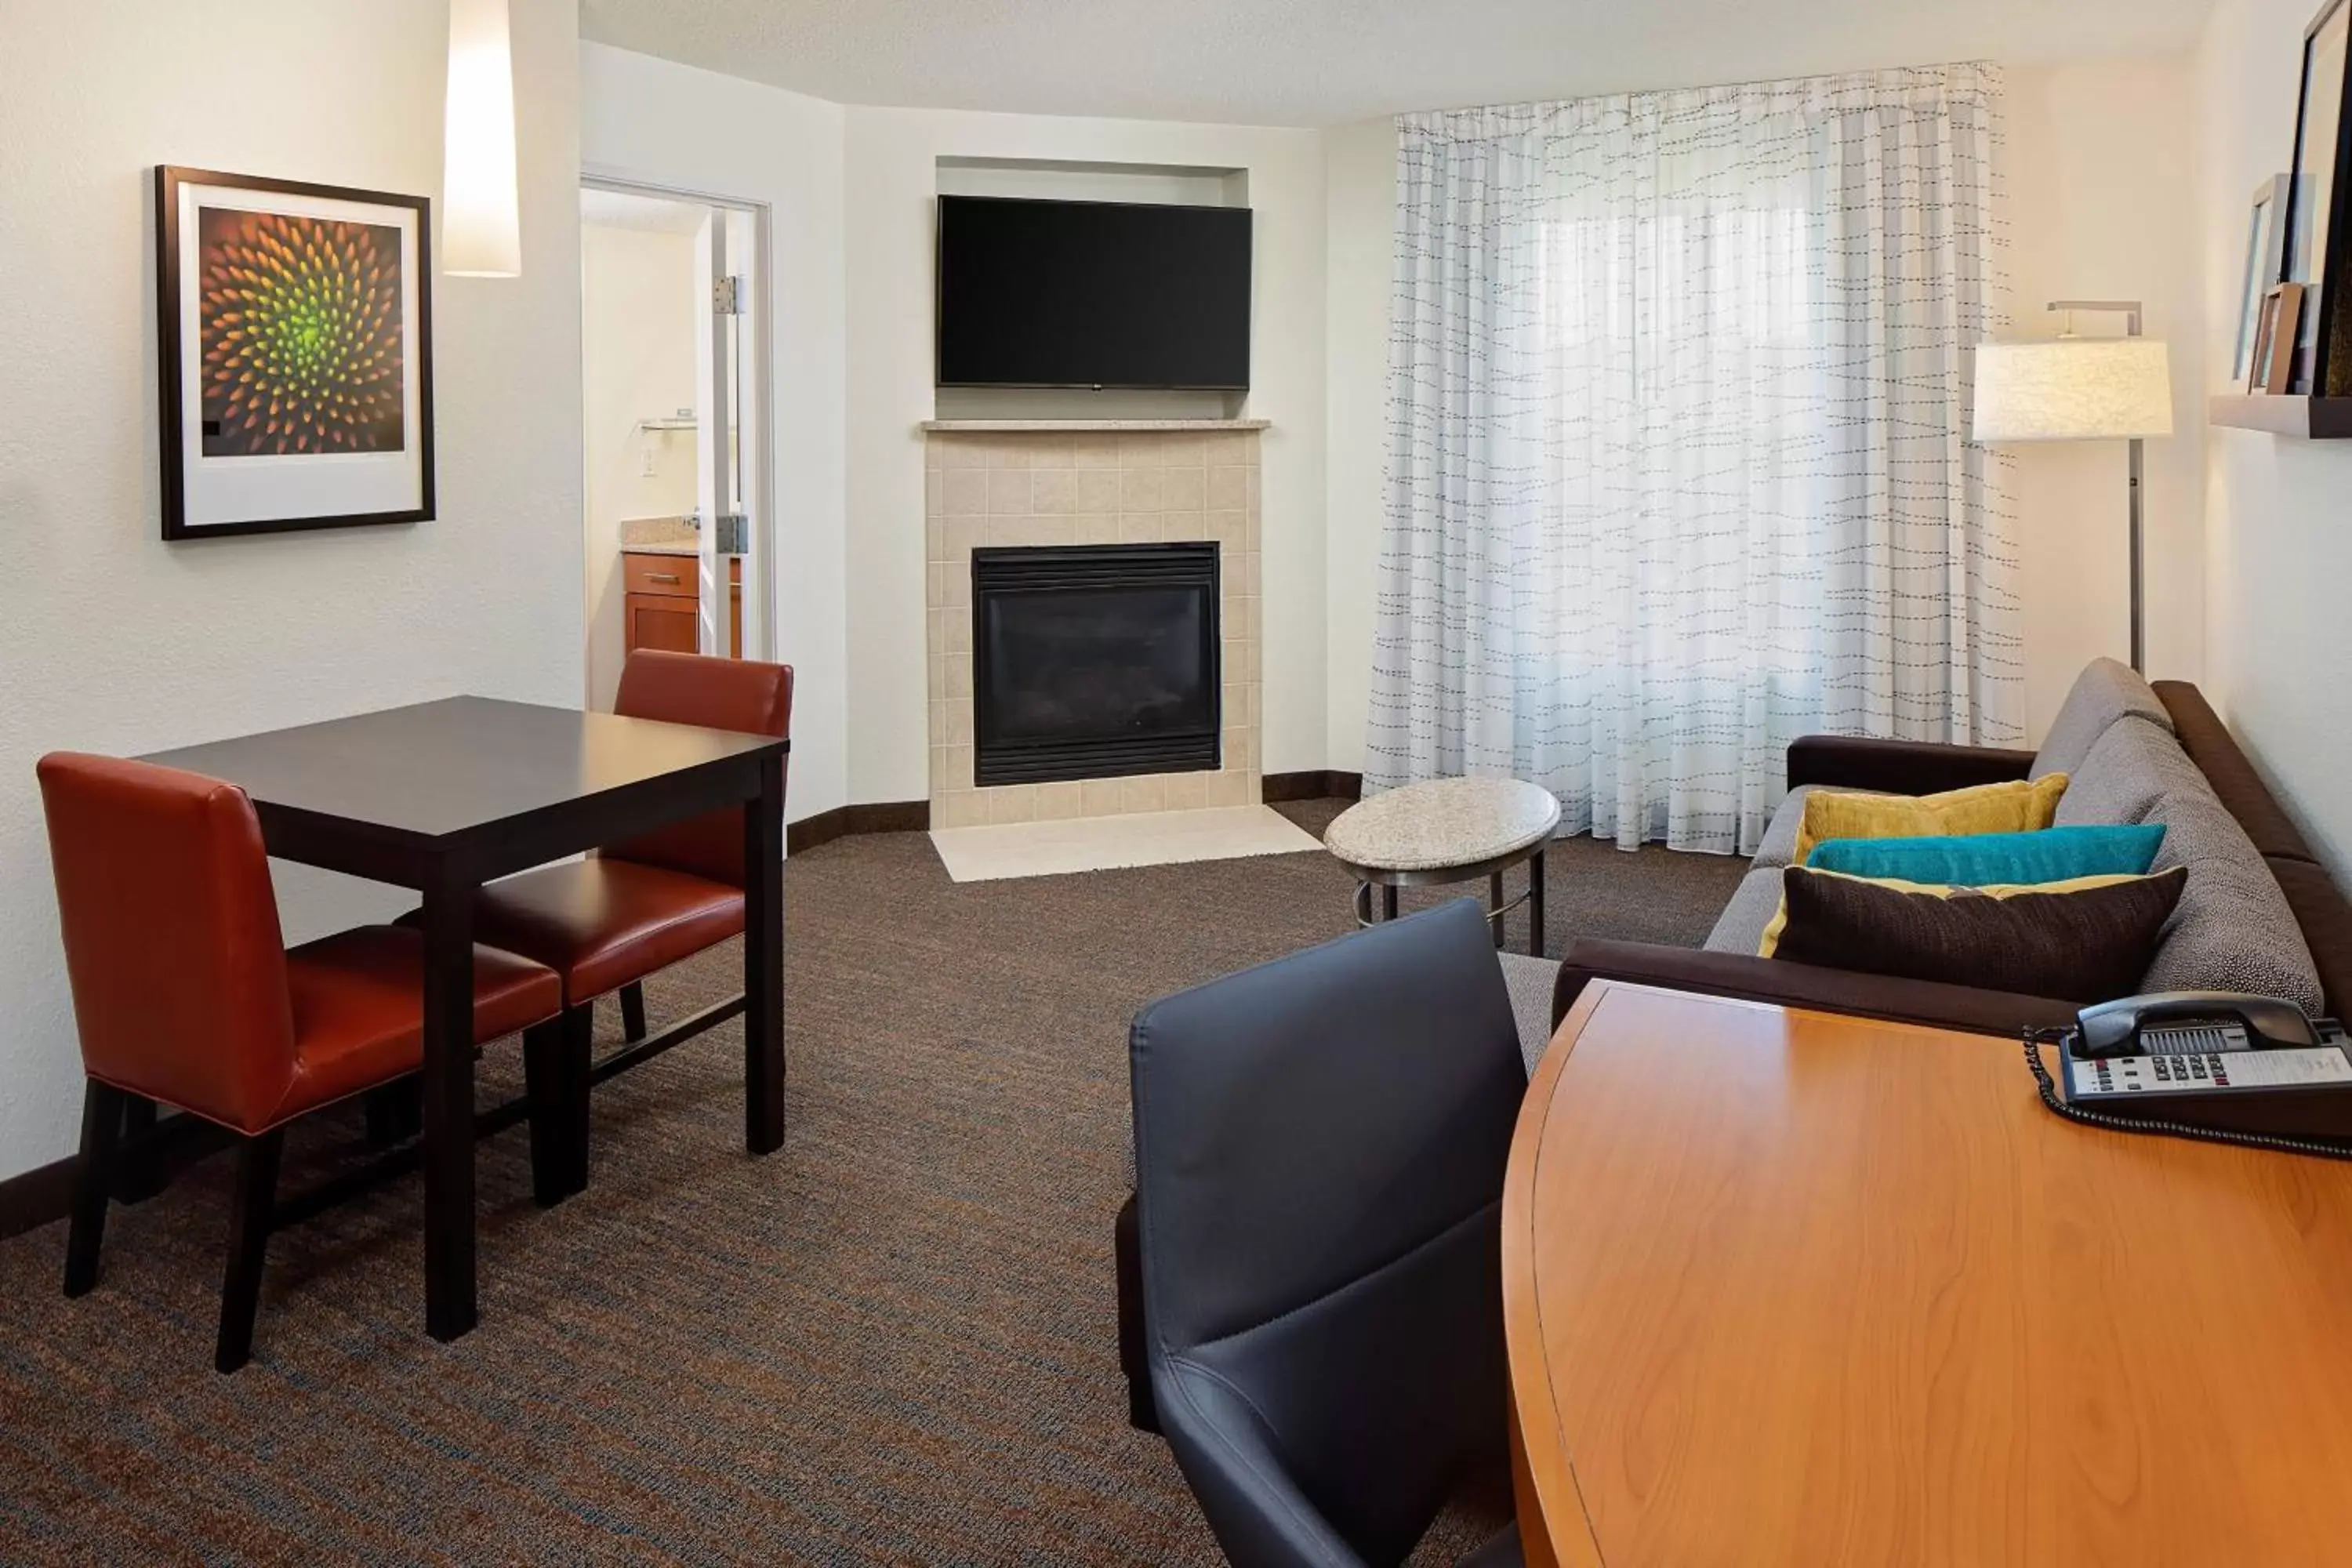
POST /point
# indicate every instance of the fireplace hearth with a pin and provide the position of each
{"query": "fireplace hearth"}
(1095, 662)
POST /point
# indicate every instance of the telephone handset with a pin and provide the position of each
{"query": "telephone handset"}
(2260, 1023)
(2212, 1065)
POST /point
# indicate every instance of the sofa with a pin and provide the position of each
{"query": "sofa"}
(2258, 913)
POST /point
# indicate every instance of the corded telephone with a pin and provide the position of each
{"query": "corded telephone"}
(2212, 1065)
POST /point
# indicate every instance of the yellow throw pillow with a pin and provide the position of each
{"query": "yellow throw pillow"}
(2010, 806)
(1770, 943)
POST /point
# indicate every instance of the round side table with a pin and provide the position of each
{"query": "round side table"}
(1448, 830)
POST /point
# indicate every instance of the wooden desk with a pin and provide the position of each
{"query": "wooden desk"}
(443, 796)
(1785, 1288)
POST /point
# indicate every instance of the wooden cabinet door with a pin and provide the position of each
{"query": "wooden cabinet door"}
(662, 621)
(661, 597)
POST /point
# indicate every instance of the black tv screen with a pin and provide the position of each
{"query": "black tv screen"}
(1038, 293)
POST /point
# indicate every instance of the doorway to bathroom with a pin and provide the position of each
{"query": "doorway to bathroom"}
(676, 525)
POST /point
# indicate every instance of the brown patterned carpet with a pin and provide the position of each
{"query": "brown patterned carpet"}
(890, 1342)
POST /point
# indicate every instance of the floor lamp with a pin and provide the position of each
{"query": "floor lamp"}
(2082, 389)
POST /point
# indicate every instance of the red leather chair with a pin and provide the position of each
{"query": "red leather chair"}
(606, 923)
(186, 994)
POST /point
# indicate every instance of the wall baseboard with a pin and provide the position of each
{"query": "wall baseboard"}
(1324, 783)
(35, 1198)
(842, 821)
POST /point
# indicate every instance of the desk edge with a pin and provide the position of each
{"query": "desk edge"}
(1555, 1530)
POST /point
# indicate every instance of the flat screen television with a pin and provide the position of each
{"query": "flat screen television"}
(1095, 294)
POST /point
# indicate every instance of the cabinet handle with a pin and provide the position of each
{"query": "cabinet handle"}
(661, 576)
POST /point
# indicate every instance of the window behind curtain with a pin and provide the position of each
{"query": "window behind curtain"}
(1675, 463)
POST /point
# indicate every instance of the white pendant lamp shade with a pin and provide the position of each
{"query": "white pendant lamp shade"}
(481, 233)
(2073, 389)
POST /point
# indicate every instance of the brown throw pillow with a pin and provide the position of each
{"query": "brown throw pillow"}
(2089, 940)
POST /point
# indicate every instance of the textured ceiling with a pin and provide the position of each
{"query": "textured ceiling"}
(1322, 62)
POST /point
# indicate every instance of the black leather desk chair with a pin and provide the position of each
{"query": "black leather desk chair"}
(1320, 1150)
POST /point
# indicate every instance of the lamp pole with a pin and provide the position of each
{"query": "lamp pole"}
(2131, 311)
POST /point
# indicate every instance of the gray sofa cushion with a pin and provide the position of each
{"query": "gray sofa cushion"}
(1530, 980)
(2233, 930)
(2129, 769)
(1740, 927)
(1781, 834)
(2104, 693)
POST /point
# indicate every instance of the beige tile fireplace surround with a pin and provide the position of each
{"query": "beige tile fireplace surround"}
(1029, 483)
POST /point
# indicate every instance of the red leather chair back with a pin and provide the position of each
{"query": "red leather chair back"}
(718, 694)
(171, 934)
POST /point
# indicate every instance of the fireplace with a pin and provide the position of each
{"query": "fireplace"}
(1094, 661)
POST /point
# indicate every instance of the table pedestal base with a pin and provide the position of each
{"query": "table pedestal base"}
(1497, 910)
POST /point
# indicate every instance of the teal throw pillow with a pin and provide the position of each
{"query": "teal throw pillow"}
(1991, 860)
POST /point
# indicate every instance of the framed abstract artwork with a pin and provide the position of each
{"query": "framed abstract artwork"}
(295, 350)
(2319, 251)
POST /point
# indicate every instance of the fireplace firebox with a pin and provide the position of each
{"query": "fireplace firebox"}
(1094, 661)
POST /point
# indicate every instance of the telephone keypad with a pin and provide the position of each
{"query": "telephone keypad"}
(2181, 1071)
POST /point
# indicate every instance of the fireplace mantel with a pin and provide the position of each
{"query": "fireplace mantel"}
(1070, 426)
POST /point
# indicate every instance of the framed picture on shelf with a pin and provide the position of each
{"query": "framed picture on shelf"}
(2275, 332)
(2265, 265)
(2317, 251)
(295, 350)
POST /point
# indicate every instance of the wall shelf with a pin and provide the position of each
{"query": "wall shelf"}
(1067, 426)
(2307, 418)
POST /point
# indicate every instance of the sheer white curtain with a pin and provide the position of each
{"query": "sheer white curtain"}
(1676, 467)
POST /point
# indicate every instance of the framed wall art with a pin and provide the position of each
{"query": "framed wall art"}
(2265, 265)
(2317, 248)
(2273, 360)
(295, 350)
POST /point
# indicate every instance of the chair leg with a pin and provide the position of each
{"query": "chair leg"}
(102, 1108)
(547, 1083)
(395, 1111)
(632, 1012)
(140, 1175)
(577, 1030)
(1143, 1413)
(248, 1242)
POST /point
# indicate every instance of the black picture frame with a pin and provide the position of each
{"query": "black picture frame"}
(2319, 248)
(173, 351)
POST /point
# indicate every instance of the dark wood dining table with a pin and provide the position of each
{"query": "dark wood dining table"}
(445, 796)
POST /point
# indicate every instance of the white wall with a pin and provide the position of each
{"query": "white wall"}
(2278, 514)
(120, 642)
(2102, 206)
(638, 329)
(2099, 207)
(658, 123)
(892, 158)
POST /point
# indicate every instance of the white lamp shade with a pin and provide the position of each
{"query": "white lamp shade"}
(2073, 389)
(482, 234)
